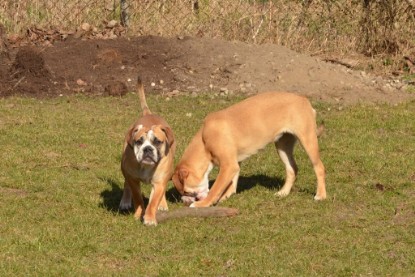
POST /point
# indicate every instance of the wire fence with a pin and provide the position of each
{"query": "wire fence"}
(214, 18)
(369, 25)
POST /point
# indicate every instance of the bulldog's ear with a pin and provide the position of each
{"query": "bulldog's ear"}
(169, 134)
(170, 138)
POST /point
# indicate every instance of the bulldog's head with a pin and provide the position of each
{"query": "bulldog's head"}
(191, 186)
(150, 144)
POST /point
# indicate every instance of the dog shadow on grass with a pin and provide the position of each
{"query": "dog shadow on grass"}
(249, 182)
(111, 197)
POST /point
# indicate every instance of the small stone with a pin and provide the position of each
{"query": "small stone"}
(81, 82)
(85, 27)
(112, 24)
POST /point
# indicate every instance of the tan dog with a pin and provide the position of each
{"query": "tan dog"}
(148, 157)
(229, 136)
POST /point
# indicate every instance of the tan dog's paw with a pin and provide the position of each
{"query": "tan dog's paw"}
(282, 193)
(150, 222)
(199, 204)
(162, 208)
(319, 197)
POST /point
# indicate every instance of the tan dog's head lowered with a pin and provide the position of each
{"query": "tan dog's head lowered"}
(192, 181)
(150, 144)
(190, 186)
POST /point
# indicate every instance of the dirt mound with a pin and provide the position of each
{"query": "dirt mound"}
(4, 60)
(30, 74)
(110, 67)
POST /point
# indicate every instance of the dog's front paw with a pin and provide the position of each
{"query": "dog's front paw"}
(199, 204)
(282, 193)
(125, 205)
(138, 213)
(319, 197)
(163, 208)
(150, 221)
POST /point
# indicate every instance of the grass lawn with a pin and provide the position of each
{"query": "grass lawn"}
(60, 185)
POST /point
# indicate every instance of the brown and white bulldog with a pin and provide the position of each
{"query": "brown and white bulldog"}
(147, 157)
(229, 136)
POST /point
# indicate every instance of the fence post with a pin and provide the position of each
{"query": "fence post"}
(124, 13)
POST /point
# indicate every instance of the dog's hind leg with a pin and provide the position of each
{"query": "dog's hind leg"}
(285, 147)
(310, 144)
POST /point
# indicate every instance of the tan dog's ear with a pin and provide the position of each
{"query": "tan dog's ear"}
(178, 179)
(183, 173)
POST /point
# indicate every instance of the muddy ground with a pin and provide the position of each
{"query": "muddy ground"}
(183, 65)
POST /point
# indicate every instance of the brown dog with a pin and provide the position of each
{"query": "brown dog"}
(147, 157)
(229, 136)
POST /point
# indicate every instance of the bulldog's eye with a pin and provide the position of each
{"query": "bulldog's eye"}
(140, 141)
(156, 142)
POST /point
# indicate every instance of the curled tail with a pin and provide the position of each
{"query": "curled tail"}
(142, 96)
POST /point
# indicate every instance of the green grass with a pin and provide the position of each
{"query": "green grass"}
(60, 185)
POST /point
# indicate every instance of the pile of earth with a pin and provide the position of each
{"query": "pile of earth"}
(182, 65)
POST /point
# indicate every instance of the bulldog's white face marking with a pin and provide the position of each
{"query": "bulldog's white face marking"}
(146, 153)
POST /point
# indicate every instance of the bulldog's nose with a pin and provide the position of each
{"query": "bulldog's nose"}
(148, 150)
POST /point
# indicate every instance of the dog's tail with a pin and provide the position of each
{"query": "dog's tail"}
(142, 96)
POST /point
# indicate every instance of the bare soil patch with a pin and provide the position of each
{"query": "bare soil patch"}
(183, 65)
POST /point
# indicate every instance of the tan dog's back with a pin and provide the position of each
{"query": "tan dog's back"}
(275, 113)
(229, 136)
